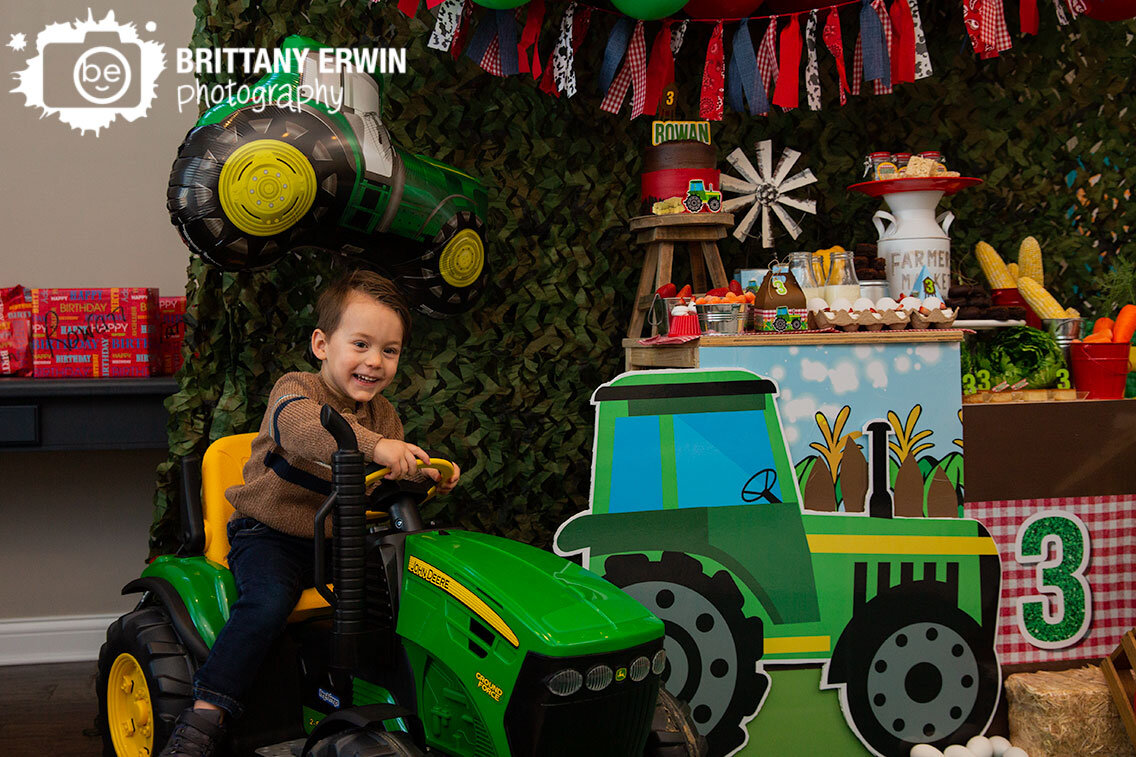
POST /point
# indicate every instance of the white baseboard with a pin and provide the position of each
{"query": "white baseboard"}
(67, 638)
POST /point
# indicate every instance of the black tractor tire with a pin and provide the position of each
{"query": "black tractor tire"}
(919, 670)
(713, 649)
(147, 635)
(423, 279)
(693, 203)
(193, 198)
(673, 731)
(365, 742)
(715, 204)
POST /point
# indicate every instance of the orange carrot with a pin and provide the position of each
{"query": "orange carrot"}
(1125, 325)
(1097, 337)
(1102, 324)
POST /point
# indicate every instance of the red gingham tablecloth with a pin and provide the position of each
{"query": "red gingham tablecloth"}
(1111, 572)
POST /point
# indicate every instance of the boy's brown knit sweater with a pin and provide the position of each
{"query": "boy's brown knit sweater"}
(288, 475)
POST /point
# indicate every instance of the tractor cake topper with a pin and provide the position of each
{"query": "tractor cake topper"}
(274, 171)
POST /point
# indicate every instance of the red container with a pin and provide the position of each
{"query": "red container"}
(95, 333)
(1101, 369)
(1013, 298)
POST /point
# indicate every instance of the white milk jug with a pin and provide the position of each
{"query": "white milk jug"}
(913, 239)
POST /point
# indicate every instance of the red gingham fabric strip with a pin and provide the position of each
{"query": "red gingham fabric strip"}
(767, 57)
(1111, 572)
(995, 35)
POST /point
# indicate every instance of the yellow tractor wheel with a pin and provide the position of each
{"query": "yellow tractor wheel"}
(145, 680)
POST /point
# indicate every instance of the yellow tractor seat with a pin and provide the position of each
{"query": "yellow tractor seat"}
(222, 467)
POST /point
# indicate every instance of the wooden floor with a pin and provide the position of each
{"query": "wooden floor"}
(48, 710)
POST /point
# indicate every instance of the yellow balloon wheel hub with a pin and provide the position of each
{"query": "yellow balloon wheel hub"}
(266, 186)
(130, 716)
(462, 259)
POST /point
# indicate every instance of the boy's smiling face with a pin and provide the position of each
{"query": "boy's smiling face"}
(360, 356)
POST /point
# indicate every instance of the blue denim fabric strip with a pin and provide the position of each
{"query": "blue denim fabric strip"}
(876, 62)
(507, 41)
(481, 39)
(613, 53)
(744, 75)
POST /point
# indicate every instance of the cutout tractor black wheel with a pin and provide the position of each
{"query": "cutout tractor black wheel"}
(144, 681)
(364, 742)
(713, 649)
(673, 730)
(245, 191)
(452, 273)
(919, 670)
(715, 204)
(693, 203)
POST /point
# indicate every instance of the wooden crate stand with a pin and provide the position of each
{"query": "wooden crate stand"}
(1121, 678)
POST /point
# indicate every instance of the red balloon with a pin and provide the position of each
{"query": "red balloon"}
(711, 9)
(1111, 10)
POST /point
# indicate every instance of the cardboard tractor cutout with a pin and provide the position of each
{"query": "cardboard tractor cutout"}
(315, 167)
(696, 512)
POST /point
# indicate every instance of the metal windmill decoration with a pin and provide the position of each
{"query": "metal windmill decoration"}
(766, 189)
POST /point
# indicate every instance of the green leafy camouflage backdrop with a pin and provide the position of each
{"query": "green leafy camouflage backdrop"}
(504, 390)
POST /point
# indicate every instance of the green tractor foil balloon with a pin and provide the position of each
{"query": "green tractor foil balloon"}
(303, 159)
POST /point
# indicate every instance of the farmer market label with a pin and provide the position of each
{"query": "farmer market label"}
(672, 131)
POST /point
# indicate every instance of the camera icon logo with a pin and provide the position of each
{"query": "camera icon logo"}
(91, 72)
(100, 70)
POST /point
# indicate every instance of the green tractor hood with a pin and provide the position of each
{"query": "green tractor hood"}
(552, 606)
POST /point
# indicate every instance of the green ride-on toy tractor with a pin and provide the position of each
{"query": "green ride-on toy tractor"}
(302, 158)
(698, 196)
(425, 641)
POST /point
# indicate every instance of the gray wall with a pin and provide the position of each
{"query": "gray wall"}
(83, 211)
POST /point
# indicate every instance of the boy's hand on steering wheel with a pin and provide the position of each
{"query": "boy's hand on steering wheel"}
(447, 486)
(399, 456)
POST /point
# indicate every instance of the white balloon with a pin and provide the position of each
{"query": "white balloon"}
(925, 750)
(980, 746)
(1000, 744)
(957, 750)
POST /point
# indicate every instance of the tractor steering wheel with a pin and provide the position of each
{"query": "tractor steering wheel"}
(444, 467)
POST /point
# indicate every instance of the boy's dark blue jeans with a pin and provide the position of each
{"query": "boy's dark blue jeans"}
(271, 569)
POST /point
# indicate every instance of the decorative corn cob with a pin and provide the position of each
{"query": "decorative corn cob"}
(1013, 269)
(1029, 260)
(1072, 313)
(994, 267)
(1040, 300)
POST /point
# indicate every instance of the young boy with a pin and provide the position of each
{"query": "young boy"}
(363, 323)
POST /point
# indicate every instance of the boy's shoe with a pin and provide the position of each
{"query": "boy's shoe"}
(197, 733)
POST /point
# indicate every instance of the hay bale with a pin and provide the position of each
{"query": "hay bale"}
(1065, 713)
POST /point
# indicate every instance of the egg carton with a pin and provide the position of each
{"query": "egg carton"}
(863, 320)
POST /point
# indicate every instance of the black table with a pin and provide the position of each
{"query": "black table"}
(84, 414)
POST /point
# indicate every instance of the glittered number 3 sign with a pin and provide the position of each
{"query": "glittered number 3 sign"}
(1057, 542)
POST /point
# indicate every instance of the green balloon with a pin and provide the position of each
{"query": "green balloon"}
(649, 10)
(500, 5)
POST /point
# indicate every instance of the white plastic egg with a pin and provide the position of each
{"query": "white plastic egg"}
(980, 746)
(910, 303)
(863, 304)
(925, 750)
(886, 303)
(816, 304)
(999, 744)
(932, 303)
(957, 750)
(1015, 751)
(841, 304)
